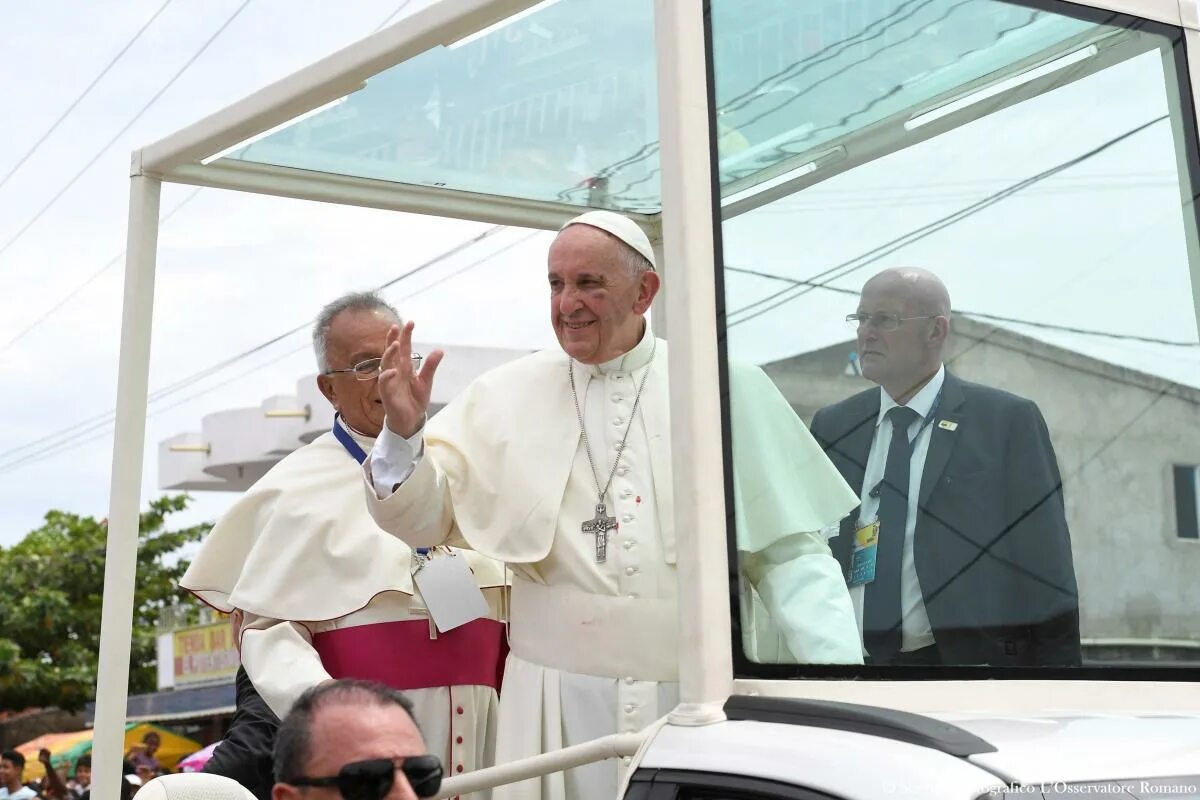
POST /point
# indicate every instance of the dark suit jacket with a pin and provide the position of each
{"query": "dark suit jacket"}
(246, 753)
(991, 545)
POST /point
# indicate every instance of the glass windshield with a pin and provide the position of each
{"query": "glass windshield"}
(556, 105)
(560, 104)
(959, 245)
(791, 79)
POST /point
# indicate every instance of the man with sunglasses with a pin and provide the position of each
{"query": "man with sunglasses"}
(321, 592)
(959, 553)
(356, 739)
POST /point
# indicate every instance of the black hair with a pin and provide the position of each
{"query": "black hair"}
(292, 741)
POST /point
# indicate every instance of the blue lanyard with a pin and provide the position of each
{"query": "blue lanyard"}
(912, 443)
(937, 401)
(359, 455)
(343, 436)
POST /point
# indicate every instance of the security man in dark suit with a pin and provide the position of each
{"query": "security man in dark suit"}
(959, 553)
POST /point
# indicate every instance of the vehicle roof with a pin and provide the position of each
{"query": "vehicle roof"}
(1062, 746)
(858, 751)
(841, 763)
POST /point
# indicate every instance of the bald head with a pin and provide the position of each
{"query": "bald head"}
(902, 358)
(923, 292)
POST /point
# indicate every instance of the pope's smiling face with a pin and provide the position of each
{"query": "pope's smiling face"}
(598, 298)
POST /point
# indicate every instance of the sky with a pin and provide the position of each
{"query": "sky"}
(234, 269)
(1099, 246)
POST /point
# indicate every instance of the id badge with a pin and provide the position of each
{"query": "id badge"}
(862, 558)
(449, 590)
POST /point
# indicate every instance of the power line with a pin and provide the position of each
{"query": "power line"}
(11, 457)
(979, 314)
(99, 76)
(839, 271)
(738, 101)
(99, 154)
(112, 262)
(790, 72)
(997, 36)
(1158, 395)
(104, 429)
(392, 16)
(784, 155)
(162, 221)
(204, 373)
(99, 431)
(862, 203)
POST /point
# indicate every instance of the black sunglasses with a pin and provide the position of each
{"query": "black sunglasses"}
(371, 780)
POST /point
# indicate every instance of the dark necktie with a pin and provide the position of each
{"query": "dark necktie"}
(881, 605)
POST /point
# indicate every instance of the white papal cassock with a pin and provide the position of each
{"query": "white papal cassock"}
(327, 594)
(594, 651)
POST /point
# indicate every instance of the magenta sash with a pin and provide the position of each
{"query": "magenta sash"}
(401, 654)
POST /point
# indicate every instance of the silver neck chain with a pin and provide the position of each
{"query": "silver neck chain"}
(637, 398)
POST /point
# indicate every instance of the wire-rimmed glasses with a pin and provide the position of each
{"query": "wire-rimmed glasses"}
(883, 320)
(369, 369)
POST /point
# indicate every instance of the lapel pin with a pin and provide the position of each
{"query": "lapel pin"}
(948, 425)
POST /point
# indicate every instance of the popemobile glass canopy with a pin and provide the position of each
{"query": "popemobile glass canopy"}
(560, 104)
(1040, 155)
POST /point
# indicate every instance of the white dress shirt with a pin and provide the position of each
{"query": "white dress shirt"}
(915, 627)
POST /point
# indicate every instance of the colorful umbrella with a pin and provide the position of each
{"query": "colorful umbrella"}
(66, 748)
(196, 761)
(57, 744)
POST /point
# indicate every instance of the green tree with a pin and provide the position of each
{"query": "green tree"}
(50, 603)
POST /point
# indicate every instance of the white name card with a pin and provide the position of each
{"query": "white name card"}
(449, 591)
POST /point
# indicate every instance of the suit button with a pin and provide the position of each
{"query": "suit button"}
(459, 740)
(459, 768)
(459, 710)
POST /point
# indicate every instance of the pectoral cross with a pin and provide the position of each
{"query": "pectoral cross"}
(599, 526)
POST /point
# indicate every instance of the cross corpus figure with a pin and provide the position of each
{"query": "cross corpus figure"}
(599, 526)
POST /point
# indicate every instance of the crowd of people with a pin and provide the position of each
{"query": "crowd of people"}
(73, 780)
(510, 564)
(73, 784)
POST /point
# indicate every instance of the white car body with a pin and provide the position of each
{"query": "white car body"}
(859, 753)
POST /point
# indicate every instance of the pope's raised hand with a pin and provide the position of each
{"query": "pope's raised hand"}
(404, 391)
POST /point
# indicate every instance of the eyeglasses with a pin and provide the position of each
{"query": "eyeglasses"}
(372, 779)
(370, 369)
(883, 320)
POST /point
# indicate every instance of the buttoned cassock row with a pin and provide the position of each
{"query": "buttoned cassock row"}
(594, 647)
